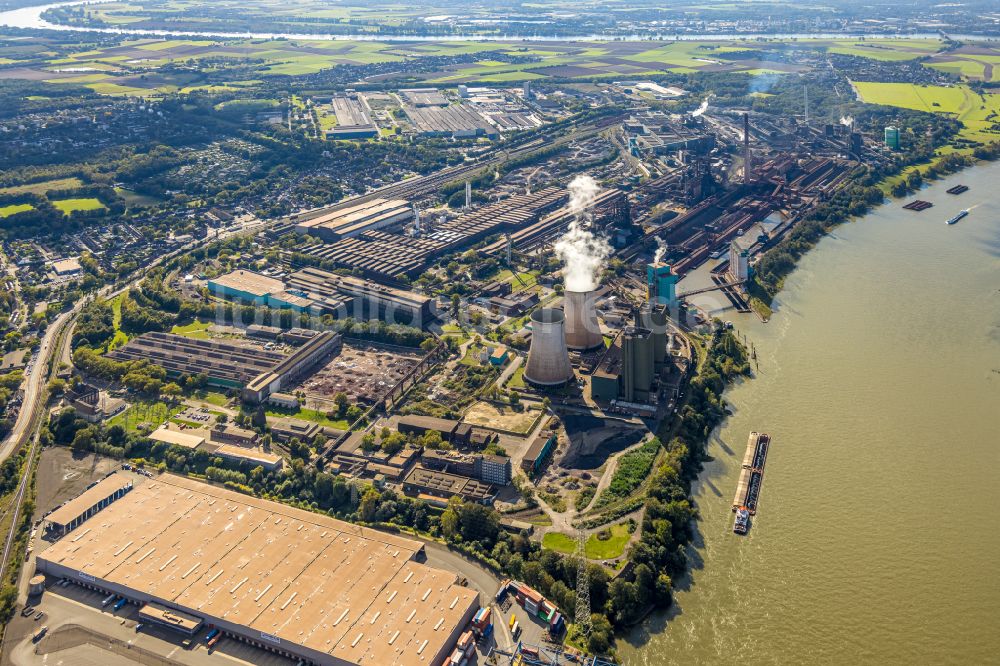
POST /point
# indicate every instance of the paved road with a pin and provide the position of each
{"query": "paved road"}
(34, 384)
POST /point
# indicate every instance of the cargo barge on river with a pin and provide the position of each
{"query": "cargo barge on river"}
(751, 478)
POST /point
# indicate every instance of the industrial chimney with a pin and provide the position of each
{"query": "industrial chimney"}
(548, 359)
(746, 148)
(583, 333)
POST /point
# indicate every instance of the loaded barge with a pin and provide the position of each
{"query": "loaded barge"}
(751, 478)
(958, 189)
(918, 205)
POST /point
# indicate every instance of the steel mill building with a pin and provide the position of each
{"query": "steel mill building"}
(294, 582)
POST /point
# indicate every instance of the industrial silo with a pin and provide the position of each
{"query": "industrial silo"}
(583, 333)
(548, 359)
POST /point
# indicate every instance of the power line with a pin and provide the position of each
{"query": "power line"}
(583, 620)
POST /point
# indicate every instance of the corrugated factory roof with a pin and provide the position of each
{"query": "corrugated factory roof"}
(75, 507)
(305, 578)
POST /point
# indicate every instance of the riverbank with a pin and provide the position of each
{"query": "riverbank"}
(877, 375)
(851, 202)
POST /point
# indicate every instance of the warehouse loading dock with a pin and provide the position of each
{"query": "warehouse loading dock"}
(99, 496)
(291, 581)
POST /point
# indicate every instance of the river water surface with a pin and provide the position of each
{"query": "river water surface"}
(878, 536)
(31, 18)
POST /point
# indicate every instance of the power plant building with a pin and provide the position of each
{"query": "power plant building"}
(548, 358)
(661, 284)
(628, 370)
(296, 583)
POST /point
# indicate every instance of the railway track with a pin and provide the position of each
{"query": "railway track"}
(421, 186)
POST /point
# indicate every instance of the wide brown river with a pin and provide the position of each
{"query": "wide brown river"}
(878, 535)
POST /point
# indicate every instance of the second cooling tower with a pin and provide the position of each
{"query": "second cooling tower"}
(583, 333)
(548, 359)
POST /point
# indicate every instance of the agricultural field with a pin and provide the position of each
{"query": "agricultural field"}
(974, 62)
(978, 113)
(882, 49)
(149, 67)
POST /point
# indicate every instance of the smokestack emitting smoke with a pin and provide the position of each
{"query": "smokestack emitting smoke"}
(846, 121)
(582, 253)
(701, 109)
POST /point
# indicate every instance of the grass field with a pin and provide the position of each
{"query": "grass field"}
(595, 548)
(116, 309)
(153, 413)
(313, 415)
(196, 329)
(14, 209)
(212, 398)
(68, 206)
(44, 186)
(135, 199)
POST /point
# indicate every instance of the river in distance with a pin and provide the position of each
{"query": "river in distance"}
(31, 18)
(878, 535)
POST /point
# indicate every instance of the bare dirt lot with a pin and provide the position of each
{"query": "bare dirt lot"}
(363, 372)
(488, 415)
(63, 475)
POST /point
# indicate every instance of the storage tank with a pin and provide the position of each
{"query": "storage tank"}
(548, 359)
(583, 333)
(36, 585)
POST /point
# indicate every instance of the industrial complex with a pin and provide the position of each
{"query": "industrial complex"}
(286, 580)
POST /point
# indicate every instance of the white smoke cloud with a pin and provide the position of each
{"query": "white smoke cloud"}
(582, 253)
(702, 108)
(661, 250)
(847, 121)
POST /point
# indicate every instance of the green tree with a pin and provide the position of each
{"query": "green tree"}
(369, 505)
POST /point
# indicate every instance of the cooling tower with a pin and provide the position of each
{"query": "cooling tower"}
(548, 360)
(582, 330)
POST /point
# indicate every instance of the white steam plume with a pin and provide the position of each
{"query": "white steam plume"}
(661, 251)
(847, 121)
(582, 253)
(702, 108)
